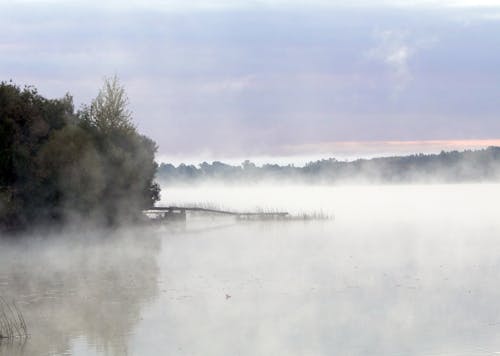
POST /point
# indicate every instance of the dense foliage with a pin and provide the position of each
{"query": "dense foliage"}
(450, 167)
(58, 165)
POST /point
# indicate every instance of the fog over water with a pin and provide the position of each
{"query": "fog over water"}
(400, 270)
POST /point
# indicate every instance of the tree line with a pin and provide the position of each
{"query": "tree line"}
(59, 165)
(445, 167)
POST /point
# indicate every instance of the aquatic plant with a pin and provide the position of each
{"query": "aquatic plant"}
(12, 323)
(258, 213)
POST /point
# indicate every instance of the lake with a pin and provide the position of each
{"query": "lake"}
(398, 270)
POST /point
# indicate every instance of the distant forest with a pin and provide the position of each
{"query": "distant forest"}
(445, 167)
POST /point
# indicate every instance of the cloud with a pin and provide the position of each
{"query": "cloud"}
(230, 85)
(396, 49)
(182, 5)
(395, 52)
(473, 3)
(248, 81)
(491, 16)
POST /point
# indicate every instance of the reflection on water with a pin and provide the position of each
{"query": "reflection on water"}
(88, 287)
(400, 271)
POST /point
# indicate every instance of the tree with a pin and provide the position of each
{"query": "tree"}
(27, 122)
(56, 164)
(128, 157)
(109, 110)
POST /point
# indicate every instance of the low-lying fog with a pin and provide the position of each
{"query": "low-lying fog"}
(400, 270)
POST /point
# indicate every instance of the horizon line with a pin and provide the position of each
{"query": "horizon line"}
(344, 150)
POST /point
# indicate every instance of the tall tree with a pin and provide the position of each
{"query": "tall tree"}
(109, 110)
(128, 157)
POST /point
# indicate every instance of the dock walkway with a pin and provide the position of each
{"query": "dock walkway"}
(179, 213)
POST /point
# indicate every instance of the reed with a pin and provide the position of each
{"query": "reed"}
(12, 322)
(258, 213)
(315, 215)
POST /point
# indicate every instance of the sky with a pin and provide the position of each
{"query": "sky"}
(220, 79)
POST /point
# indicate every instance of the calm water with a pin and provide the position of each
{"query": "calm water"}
(400, 271)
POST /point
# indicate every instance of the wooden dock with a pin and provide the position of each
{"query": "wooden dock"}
(179, 213)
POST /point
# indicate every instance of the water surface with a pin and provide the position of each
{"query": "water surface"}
(401, 270)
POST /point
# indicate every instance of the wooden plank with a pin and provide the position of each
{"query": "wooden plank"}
(225, 212)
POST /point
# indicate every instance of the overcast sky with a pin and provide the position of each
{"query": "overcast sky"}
(222, 78)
